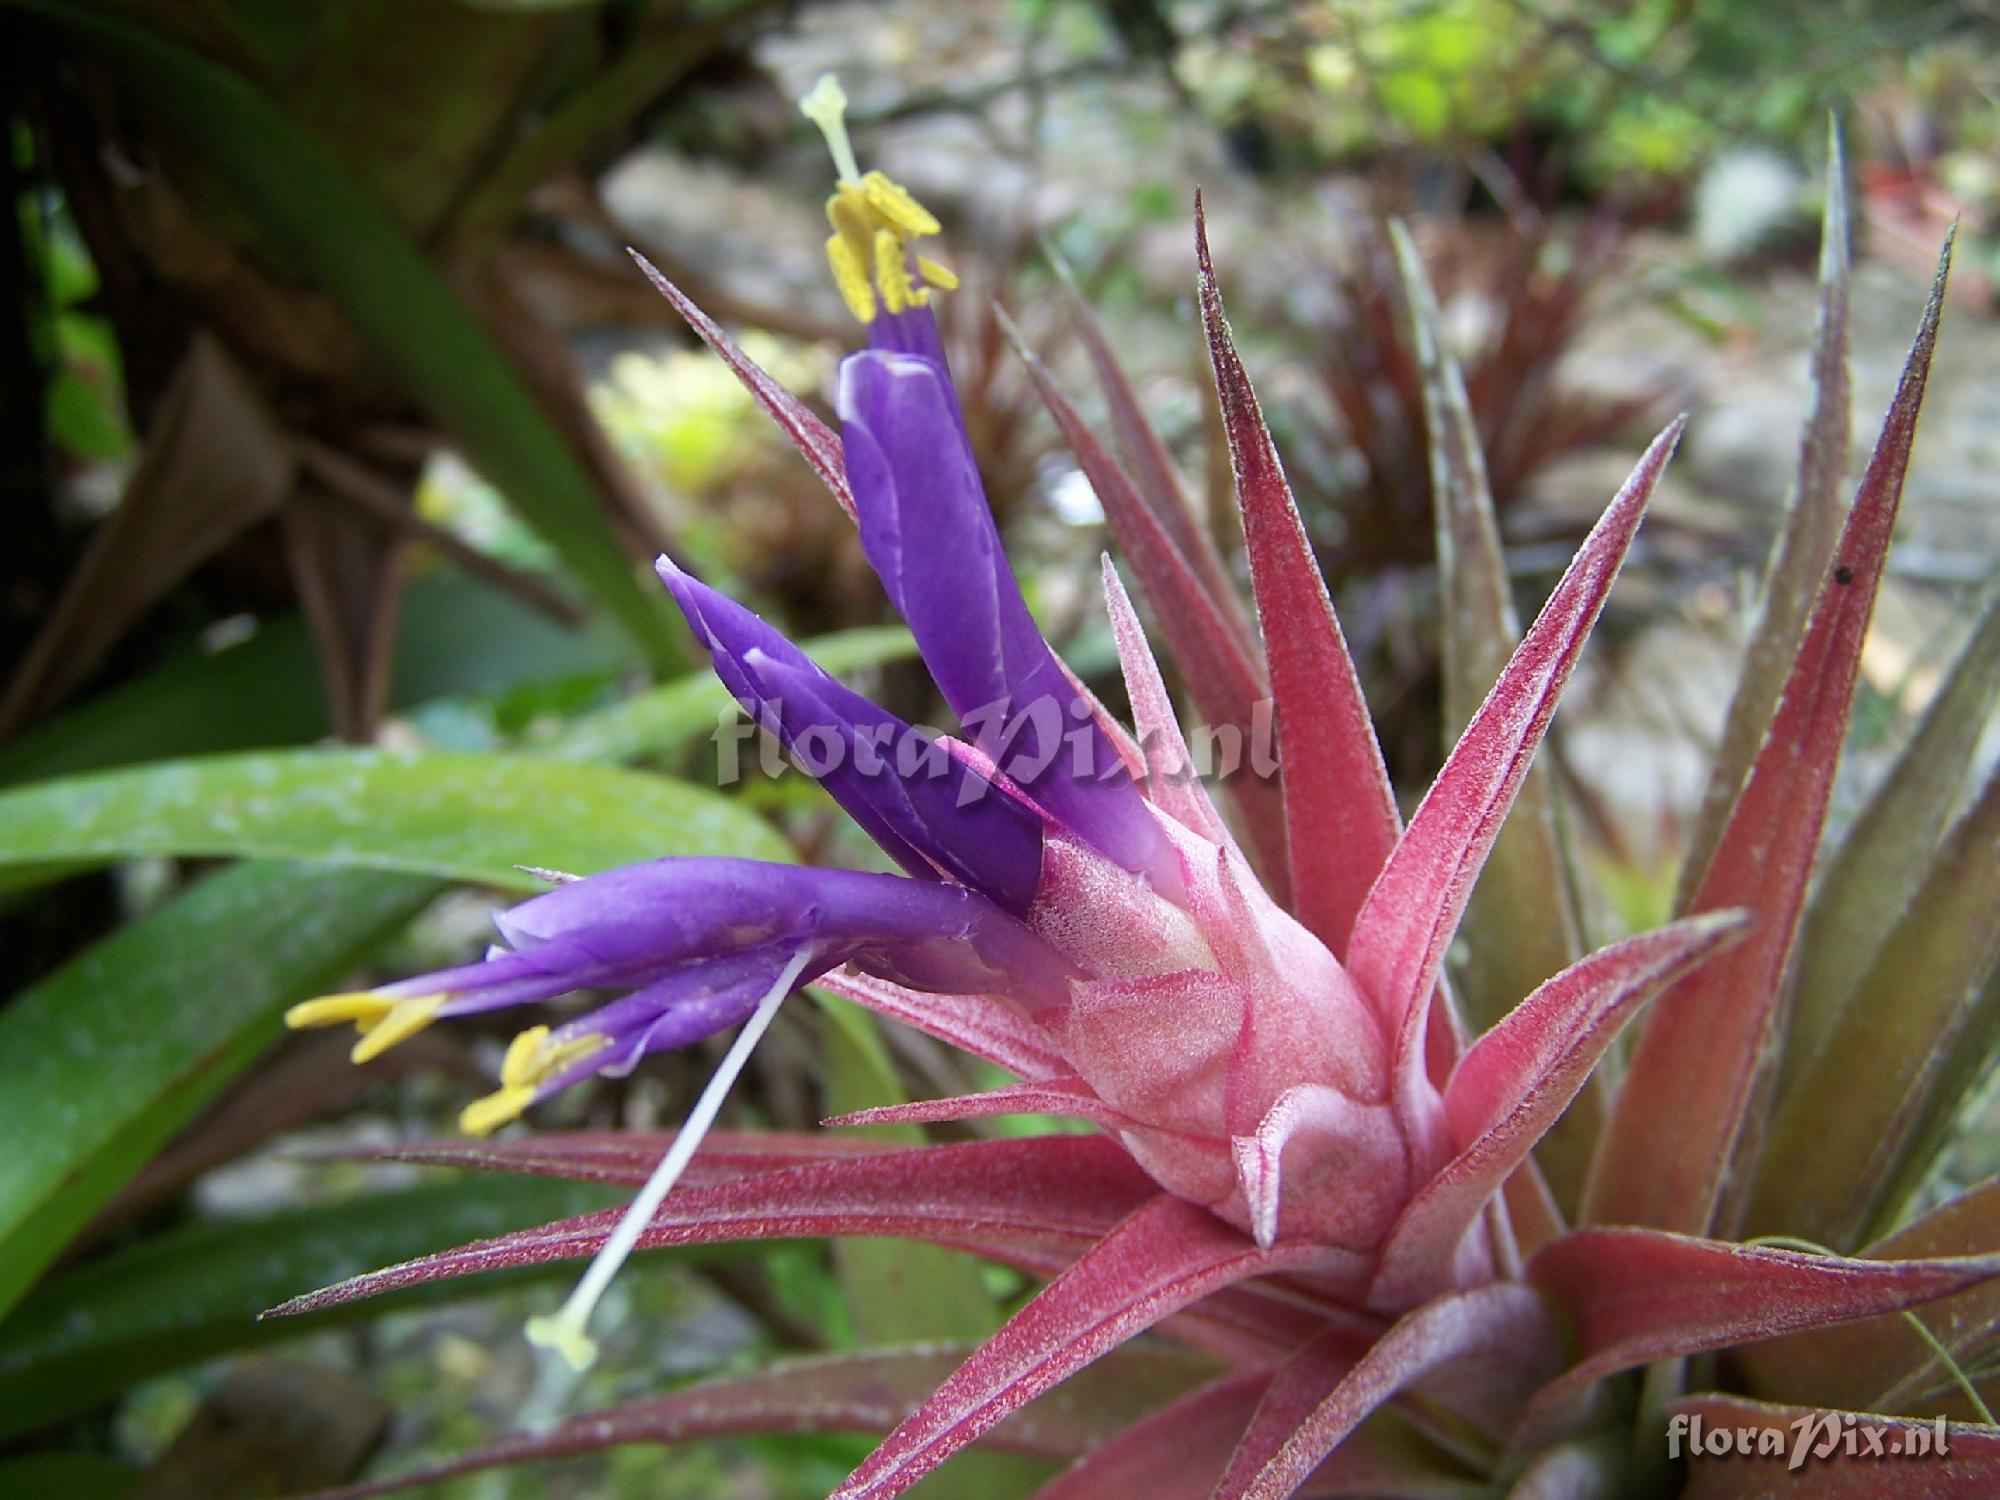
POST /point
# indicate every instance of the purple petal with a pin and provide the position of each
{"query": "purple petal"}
(929, 535)
(927, 811)
(642, 920)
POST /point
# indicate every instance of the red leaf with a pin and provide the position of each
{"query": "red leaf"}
(864, 1391)
(1068, 1097)
(1411, 913)
(1036, 1203)
(1207, 638)
(1171, 783)
(987, 1028)
(624, 1157)
(1686, 1097)
(1970, 1469)
(817, 443)
(1158, 485)
(1882, 1363)
(1340, 813)
(1518, 1078)
(1176, 1453)
(1503, 1331)
(1633, 1296)
(1163, 1257)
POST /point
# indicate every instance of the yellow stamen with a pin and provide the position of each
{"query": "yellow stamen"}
(531, 1060)
(363, 1007)
(892, 277)
(875, 220)
(501, 1107)
(382, 1020)
(897, 208)
(850, 274)
(403, 1020)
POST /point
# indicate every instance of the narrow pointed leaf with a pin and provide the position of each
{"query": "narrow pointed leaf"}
(866, 1390)
(1068, 1097)
(1844, 1133)
(1882, 1364)
(987, 1028)
(1340, 811)
(1700, 1053)
(1414, 909)
(1164, 1256)
(1970, 1469)
(1803, 549)
(1517, 1079)
(1175, 1453)
(818, 444)
(1321, 1396)
(1521, 922)
(1171, 783)
(1636, 1296)
(625, 1157)
(1888, 850)
(1147, 460)
(1051, 1196)
(1204, 633)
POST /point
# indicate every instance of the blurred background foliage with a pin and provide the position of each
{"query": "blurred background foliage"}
(340, 432)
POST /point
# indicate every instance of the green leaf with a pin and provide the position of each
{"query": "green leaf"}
(296, 193)
(109, 1057)
(1887, 853)
(466, 817)
(1803, 550)
(1521, 926)
(193, 1293)
(1843, 1134)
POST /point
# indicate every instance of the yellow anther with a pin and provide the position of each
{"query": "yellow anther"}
(894, 205)
(531, 1060)
(404, 1020)
(892, 276)
(363, 1007)
(874, 219)
(484, 1116)
(850, 275)
(517, 1068)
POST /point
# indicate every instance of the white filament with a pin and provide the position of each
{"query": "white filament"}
(826, 107)
(566, 1330)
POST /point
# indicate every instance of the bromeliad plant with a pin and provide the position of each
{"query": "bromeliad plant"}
(1304, 1165)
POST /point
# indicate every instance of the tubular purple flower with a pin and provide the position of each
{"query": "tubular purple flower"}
(695, 943)
(929, 811)
(929, 535)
